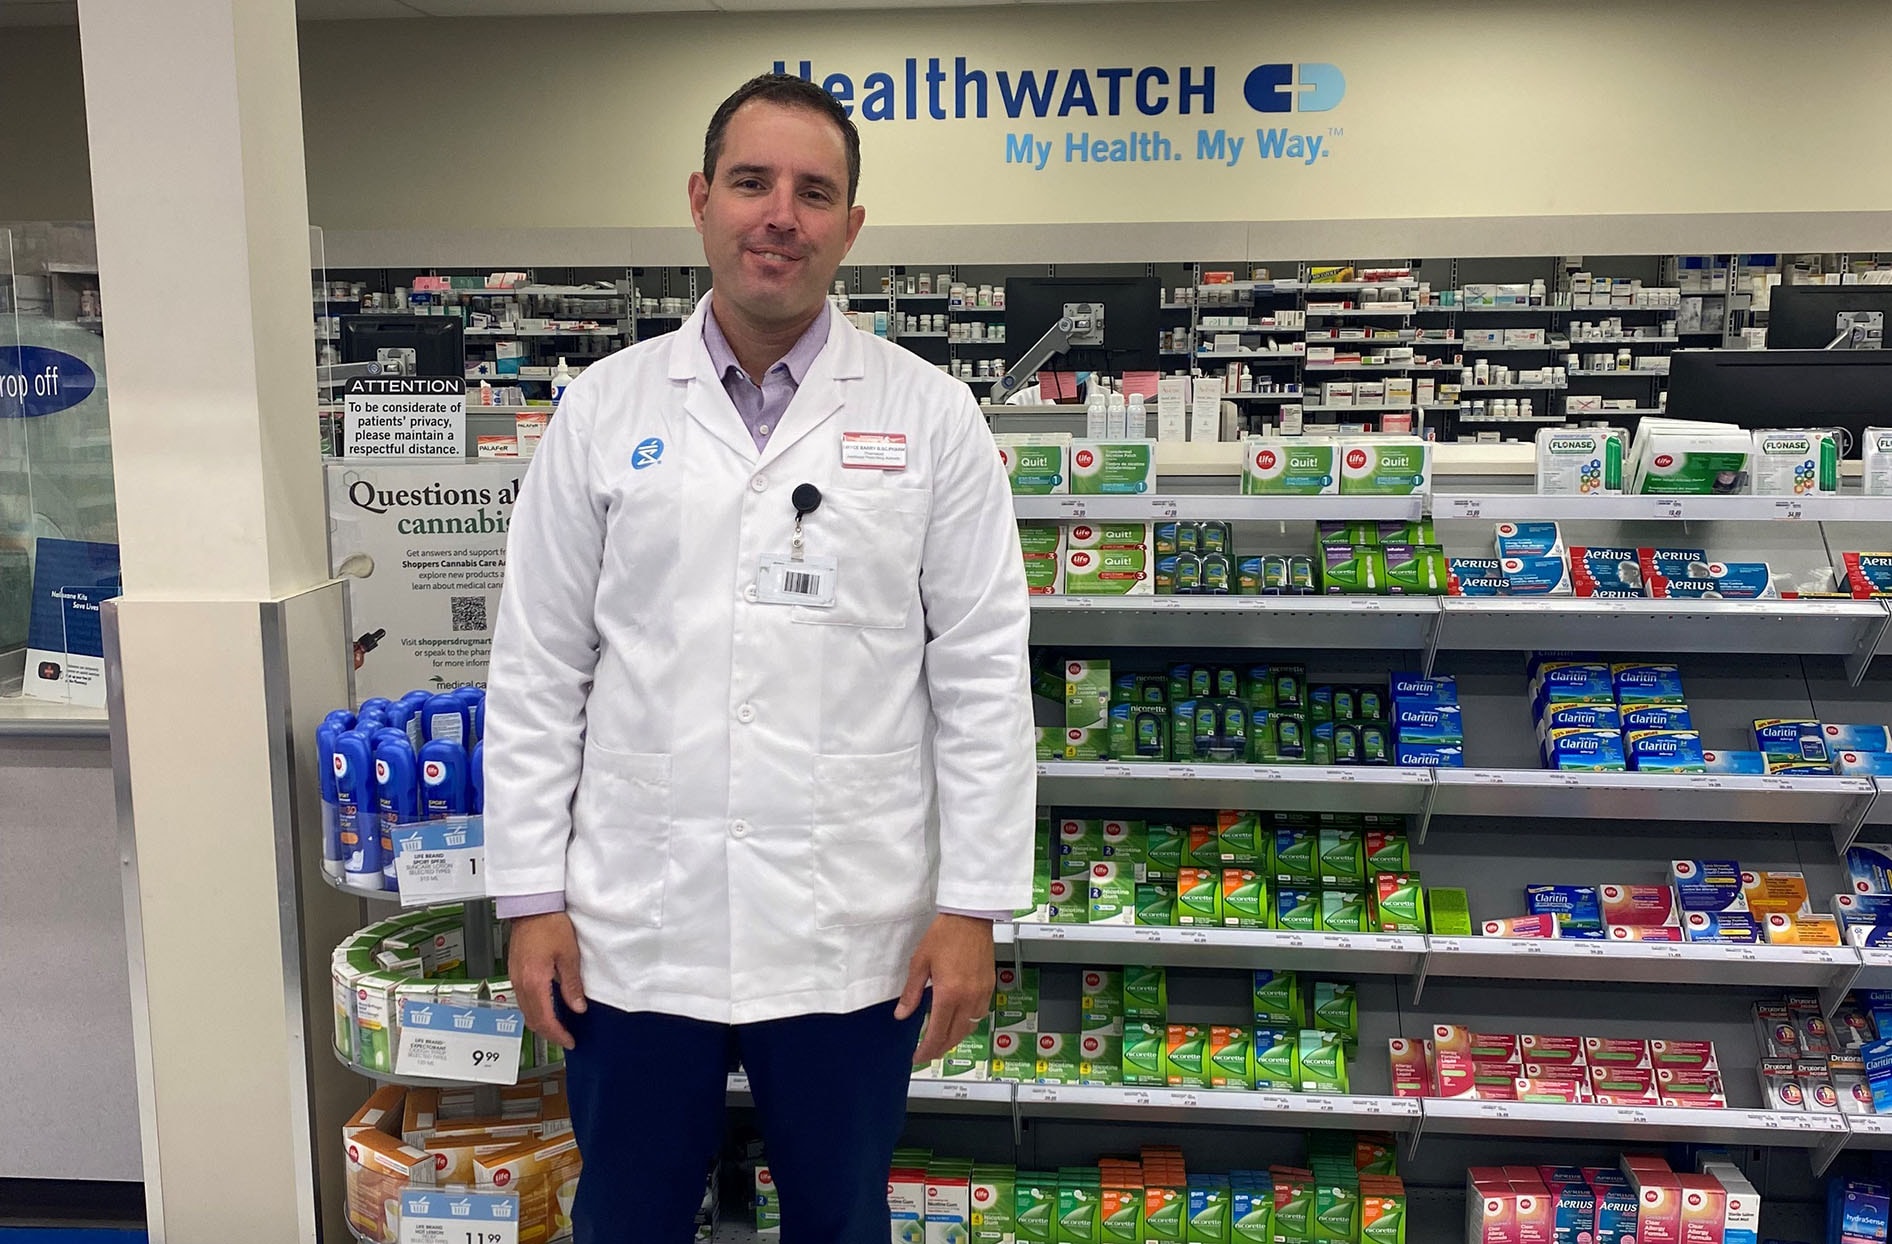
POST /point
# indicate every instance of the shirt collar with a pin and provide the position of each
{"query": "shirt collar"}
(800, 357)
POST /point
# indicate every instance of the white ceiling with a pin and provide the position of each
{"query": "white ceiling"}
(65, 12)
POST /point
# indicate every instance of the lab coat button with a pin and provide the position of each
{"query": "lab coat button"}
(749, 593)
(760, 483)
(739, 829)
(745, 714)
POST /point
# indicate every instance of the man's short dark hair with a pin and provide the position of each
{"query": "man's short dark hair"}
(791, 92)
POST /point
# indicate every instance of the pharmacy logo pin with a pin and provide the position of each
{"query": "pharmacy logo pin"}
(647, 453)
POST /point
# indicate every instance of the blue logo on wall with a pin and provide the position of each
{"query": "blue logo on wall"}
(35, 381)
(1278, 88)
(648, 453)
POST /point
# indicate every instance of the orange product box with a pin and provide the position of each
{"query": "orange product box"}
(379, 1169)
(381, 1112)
(545, 1175)
(1782, 892)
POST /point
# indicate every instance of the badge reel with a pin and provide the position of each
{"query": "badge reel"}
(797, 579)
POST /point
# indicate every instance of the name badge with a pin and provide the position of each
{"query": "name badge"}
(874, 451)
(782, 580)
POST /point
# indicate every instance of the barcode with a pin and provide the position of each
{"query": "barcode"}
(795, 583)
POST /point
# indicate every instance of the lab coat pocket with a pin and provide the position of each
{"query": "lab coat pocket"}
(620, 847)
(870, 851)
(876, 536)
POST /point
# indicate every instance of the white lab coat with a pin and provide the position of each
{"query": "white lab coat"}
(753, 810)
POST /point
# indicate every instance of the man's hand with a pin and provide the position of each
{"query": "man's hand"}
(956, 956)
(544, 950)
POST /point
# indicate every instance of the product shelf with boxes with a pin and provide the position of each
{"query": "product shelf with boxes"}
(1344, 953)
(1782, 1129)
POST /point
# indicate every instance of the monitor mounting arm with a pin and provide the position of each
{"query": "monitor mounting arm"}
(1081, 325)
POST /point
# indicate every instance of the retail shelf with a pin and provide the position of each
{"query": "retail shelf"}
(1575, 310)
(1652, 798)
(900, 297)
(1504, 310)
(1327, 410)
(1360, 313)
(1511, 418)
(1536, 387)
(387, 1077)
(1497, 624)
(1263, 397)
(1634, 1124)
(1875, 971)
(1619, 410)
(1512, 348)
(1238, 1107)
(1359, 623)
(662, 315)
(474, 408)
(1651, 963)
(1383, 367)
(924, 1096)
(1175, 306)
(939, 336)
(1176, 352)
(1527, 506)
(1615, 374)
(1364, 788)
(1622, 341)
(1217, 355)
(1230, 507)
(1869, 1131)
(1345, 287)
(375, 895)
(970, 310)
(1376, 953)
(1256, 287)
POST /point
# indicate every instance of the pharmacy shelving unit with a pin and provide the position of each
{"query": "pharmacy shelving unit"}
(1501, 822)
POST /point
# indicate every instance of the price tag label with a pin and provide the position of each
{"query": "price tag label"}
(1136, 1097)
(1182, 771)
(954, 1092)
(1465, 507)
(1626, 1114)
(1705, 783)
(439, 861)
(1054, 933)
(1163, 507)
(1488, 777)
(1116, 771)
(1293, 941)
(1153, 937)
(1450, 945)
(1346, 775)
(1188, 1100)
(1044, 1094)
(738, 1081)
(1194, 937)
(1790, 509)
(433, 1216)
(1072, 507)
(1668, 507)
(477, 1043)
(1493, 1110)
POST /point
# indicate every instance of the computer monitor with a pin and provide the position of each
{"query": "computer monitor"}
(406, 345)
(1850, 389)
(1131, 329)
(1808, 317)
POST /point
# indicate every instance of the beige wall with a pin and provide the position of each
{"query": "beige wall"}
(43, 170)
(1455, 108)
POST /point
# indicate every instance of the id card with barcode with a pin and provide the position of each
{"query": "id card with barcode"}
(784, 581)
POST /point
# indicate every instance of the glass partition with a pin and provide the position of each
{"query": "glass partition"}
(58, 519)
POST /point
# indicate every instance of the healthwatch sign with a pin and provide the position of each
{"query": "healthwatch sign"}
(1227, 101)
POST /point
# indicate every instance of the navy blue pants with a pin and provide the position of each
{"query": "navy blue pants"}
(648, 1094)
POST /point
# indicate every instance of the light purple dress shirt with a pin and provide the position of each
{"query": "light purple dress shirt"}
(761, 406)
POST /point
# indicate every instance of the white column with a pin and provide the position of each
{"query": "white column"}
(195, 120)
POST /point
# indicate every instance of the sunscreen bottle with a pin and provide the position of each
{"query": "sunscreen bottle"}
(396, 794)
(447, 718)
(333, 855)
(476, 777)
(475, 700)
(355, 798)
(443, 780)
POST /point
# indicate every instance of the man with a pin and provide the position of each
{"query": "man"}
(758, 749)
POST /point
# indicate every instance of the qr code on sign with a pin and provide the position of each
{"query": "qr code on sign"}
(469, 613)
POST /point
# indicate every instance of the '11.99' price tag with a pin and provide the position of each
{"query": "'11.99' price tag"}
(479, 1043)
(438, 861)
(431, 1216)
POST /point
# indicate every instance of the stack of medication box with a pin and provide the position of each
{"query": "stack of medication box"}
(1455, 1062)
(1258, 714)
(1597, 716)
(1380, 558)
(1640, 1199)
(1808, 1064)
(1532, 559)
(1864, 908)
(1705, 901)
(1428, 725)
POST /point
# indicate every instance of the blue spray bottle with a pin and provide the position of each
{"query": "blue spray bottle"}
(476, 778)
(412, 704)
(443, 790)
(375, 704)
(397, 794)
(475, 700)
(333, 856)
(355, 797)
(447, 717)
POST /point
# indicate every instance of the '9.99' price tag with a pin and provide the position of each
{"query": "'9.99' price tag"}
(477, 1043)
